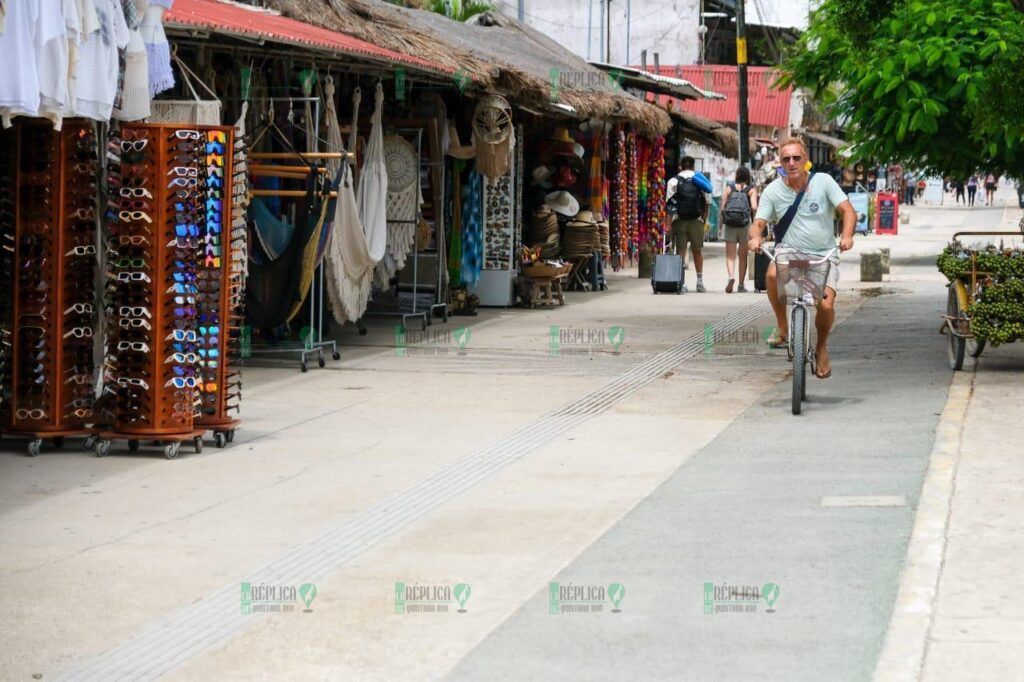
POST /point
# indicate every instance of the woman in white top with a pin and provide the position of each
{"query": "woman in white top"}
(736, 234)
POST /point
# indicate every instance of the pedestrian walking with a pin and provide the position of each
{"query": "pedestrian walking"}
(810, 231)
(991, 181)
(739, 204)
(909, 187)
(958, 187)
(972, 189)
(687, 190)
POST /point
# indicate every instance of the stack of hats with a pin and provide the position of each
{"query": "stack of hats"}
(605, 235)
(582, 236)
(543, 232)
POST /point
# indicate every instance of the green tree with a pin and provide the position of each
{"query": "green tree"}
(931, 83)
(458, 10)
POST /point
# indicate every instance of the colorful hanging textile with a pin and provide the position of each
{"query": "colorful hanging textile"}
(632, 180)
(618, 213)
(656, 217)
(472, 229)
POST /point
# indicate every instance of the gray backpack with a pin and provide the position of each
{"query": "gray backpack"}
(737, 210)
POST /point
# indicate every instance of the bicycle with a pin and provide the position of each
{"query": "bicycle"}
(801, 279)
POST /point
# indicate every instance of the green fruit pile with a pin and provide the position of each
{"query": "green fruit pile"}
(998, 315)
(955, 262)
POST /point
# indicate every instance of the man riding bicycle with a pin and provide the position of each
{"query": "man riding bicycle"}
(810, 231)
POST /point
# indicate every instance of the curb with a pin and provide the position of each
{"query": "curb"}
(906, 640)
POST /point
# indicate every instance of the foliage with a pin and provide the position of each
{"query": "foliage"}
(458, 10)
(934, 84)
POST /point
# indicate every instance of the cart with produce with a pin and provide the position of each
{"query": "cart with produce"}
(985, 303)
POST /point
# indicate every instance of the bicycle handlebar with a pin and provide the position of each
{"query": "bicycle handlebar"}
(811, 262)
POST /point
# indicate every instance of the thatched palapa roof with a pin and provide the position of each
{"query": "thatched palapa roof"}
(494, 52)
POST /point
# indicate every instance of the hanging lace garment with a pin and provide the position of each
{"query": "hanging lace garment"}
(403, 204)
(348, 263)
(372, 191)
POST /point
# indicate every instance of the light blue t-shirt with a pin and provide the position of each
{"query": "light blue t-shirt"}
(812, 228)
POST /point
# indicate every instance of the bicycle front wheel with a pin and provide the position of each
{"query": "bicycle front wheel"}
(797, 333)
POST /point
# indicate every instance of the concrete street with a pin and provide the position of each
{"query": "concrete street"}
(654, 470)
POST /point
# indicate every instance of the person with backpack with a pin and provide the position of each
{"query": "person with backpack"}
(686, 191)
(739, 202)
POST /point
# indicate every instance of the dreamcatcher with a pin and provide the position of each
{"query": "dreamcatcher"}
(493, 136)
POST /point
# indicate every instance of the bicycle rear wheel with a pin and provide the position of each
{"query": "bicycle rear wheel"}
(797, 334)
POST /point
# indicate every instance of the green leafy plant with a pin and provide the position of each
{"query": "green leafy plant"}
(929, 83)
(458, 10)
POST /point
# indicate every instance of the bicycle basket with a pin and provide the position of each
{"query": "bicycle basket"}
(799, 276)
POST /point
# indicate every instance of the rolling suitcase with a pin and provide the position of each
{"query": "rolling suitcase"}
(667, 274)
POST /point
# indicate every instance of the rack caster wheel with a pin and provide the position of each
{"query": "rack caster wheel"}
(102, 448)
(171, 450)
(34, 447)
(231, 436)
(197, 443)
(89, 443)
(321, 362)
(363, 331)
(304, 367)
(58, 442)
(335, 355)
(220, 439)
(444, 316)
(423, 324)
(133, 446)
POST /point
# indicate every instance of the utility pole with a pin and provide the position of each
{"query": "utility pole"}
(608, 31)
(741, 75)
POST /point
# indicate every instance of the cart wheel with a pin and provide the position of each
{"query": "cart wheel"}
(320, 361)
(133, 445)
(231, 435)
(34, 446)
(219, 439)
(955, 350)
(171, 450)
(975, 347)
(335, 355)
(58, 442)
(197, 443)
(304, 367)
(89, 443)
(102, 448)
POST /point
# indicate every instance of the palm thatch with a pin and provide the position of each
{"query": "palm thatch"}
(495, 53)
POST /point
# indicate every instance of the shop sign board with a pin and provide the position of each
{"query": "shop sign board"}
(887, 216)
(859, 201)
(932, 191)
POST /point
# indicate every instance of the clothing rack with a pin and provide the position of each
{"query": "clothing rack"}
(314, 344)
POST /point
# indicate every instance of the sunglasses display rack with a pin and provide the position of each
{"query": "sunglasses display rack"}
(48, 222)
(167, 290)
(220, 287)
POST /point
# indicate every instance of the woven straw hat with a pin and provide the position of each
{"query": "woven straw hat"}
(563, 203)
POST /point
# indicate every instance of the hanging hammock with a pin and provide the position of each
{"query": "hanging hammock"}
(281, 265)
(348, 263)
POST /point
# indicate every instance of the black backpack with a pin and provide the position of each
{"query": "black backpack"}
(689, 199)
(737, 208)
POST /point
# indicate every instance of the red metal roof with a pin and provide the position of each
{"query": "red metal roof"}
(249, 22)
(766, 105)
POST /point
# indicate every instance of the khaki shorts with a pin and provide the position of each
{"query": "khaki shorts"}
(736, 235)
(687, 231)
